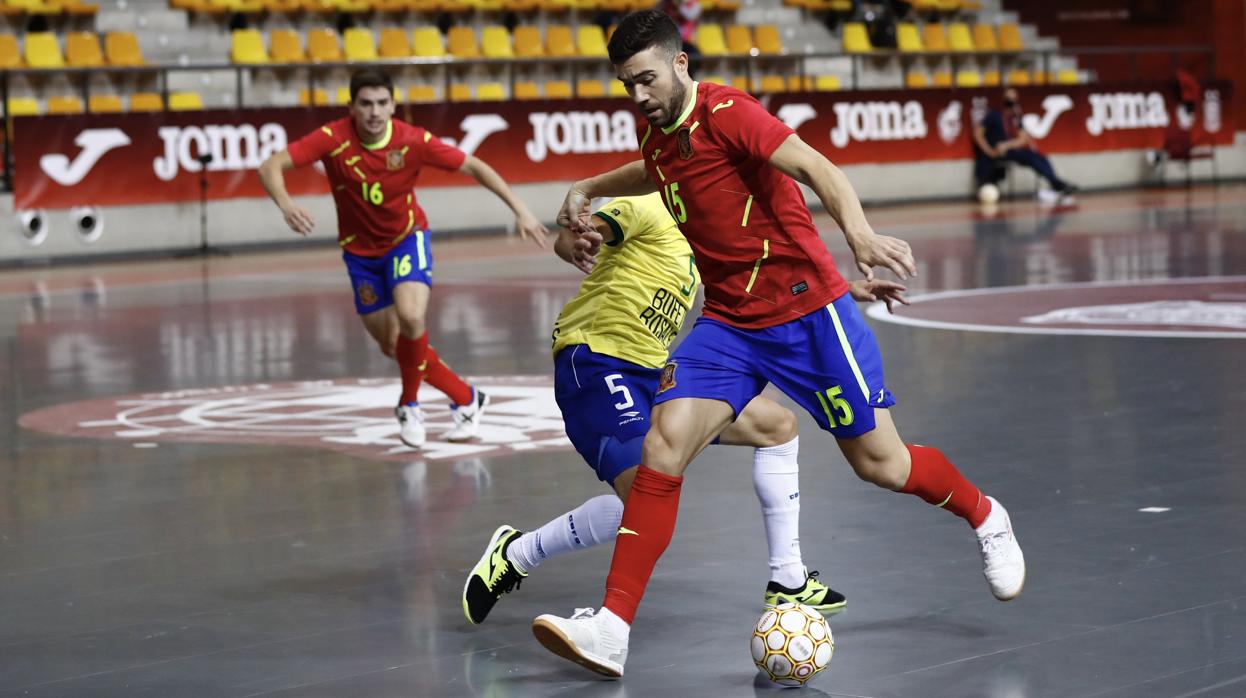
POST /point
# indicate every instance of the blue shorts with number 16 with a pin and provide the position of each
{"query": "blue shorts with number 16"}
(374, 278)
(827, 361)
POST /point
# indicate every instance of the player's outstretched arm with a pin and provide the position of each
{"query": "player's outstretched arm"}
(526, 224)
(580, 250)
(273, 178)
(804, 164)
(629, 180)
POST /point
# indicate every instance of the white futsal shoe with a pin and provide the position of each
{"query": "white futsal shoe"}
(411, 425)
(467, 417)
(1002, 561)
(588, 639)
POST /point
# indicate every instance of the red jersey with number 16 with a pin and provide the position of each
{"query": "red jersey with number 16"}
(758, 251)
(374, 185)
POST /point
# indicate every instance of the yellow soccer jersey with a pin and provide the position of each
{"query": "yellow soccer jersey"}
(633, 303)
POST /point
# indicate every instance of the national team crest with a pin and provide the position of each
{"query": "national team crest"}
(367, 294)
(668, 377)
(683, 137)
(395, 160)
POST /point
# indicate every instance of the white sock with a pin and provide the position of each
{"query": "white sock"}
(592, 523)
(615, 624)
(776, 477)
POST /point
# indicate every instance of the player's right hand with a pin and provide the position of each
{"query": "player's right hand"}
(299, 220)
(574, 214)
(884, 251)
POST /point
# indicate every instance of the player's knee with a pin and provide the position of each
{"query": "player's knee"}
(782, 429)
(659, 454)
(412, 326)
(883, 470)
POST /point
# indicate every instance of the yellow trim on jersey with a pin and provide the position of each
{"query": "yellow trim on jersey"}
(338, 151)
(748, 206)
(389, 133)
(427, 136)
(765, 252)
(328, 131)
(692, 102)
(648, 132)
(722, 105)
(350, 162)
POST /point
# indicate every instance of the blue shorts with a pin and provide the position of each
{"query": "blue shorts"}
(605, 405)
(827, 361)
(374, 278)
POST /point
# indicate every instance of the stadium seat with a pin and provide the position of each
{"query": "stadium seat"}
(495, 42)
(907, 37)
(323, 46)
(10, 54)
(460, 92)
(768, 40)
(796, 83)
(283, 6)
(990, 78)
(490, 92)
(826, 83)
(856, 39)
(82, 50)
(22, 106)
(64, 104)
(984, 37)
(146, 101)
(958, 37)
(394, 43)
(285, 46)
(77, 8)
(738, 39)
(916, 79)
(715, 79)
(426, 42)
(246, 46)
(941, 78)
(390, 6)
(36, 7)
(104, 104)
(740, 82)
(43, 51)
(461, 42)
(934, 38)
(421, 94)
(185, 101)
(559, 42)
(614, 88)
(1066, 76)
(589, 88)
(590, 41)
(968, 78)
(1018, 76)
(558, 89)
(122, 49)
(527, 89)
(1010, 38)
(359, 44)
(528, 42)
(317, 97)
(773, 83)
(342, 96)
(710, 40)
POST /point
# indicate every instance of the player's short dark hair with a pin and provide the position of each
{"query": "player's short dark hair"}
(640, 30)
(369, 77)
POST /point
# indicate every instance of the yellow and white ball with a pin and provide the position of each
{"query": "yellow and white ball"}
(791, 643)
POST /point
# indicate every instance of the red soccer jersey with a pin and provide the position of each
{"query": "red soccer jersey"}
(374, 185)
(758, 250)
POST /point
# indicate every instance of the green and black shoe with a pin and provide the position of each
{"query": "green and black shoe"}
(814, 593)
(493, 576)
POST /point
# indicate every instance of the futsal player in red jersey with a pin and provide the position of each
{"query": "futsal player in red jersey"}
(776, 311)
(373, 161)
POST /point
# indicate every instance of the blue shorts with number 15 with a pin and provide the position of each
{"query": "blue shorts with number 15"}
(827, 361)
(373, 278)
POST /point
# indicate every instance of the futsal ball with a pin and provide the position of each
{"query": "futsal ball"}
(988, 193)
(791, 644)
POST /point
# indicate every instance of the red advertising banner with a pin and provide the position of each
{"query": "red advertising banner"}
(103, 160)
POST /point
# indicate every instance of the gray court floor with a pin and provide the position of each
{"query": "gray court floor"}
(152, 567)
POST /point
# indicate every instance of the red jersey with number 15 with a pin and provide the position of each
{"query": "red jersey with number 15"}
(759, 253)
(374, 185)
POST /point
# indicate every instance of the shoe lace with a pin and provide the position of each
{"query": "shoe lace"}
(581, 613)
(993, 543)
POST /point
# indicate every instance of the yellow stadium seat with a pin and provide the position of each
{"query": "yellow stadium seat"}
(146, 101)
(984, 37)
(286, 46)
(10, 54)
(426, 42)
(590, 88)
(941, 78)
(1010, 38)
(461, 41)
(990, 78)
(968, 78)
(958, 37)
(710, 40)
(1066, 76)
(76, 8)
(614, 88)
(768, 40)
(590, 41)
(1018, 76)
(36, 7)
(43, 51)
(916, 79)
(934, 38)
(559, 42)
(519, 6)
(826, 83)
(490, 92)
(64, 104)
(715, 79)
(796, 83)
(856, 39)
(283, 6)
(23, 106)
(907, 37)
(460, 92)
(323, 46)
(185, 101)
(82, 50)
(317, 97)
(421, 94)
(740, 82)
(495, 42)
(528, 42)
(739, 39)
(558, 89)
(526, 89)
(122, 49)
(104, 104)
(394, 43)
(342, 95)
(246, 46)
(773, 83)
(359, 44)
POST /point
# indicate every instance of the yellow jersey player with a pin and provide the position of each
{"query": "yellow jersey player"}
(610, 344)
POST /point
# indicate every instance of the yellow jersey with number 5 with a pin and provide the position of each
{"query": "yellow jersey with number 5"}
(635, 300)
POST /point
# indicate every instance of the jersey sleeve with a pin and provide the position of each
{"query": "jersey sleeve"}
(745, 126)
(440, 154)
(623, 216)
(313, 146)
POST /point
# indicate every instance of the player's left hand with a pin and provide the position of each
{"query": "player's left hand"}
(584, 251)
(884, 251)
(878, 290)
(531, 229)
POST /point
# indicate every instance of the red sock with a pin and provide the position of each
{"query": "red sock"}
(647, 526)
(938, 482)
(411, 355)
(439, 375)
